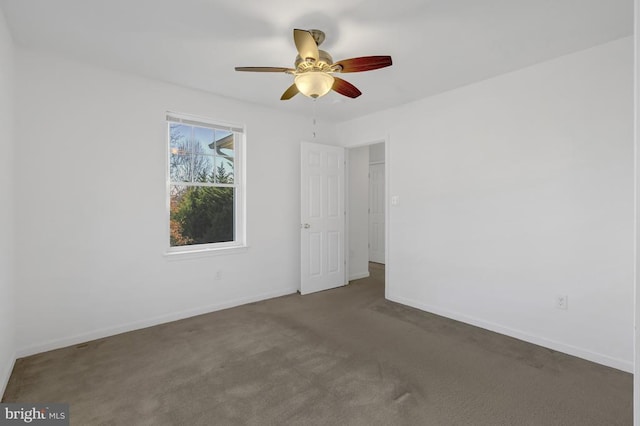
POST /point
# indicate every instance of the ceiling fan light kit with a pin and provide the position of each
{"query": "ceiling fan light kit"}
(314, 68)
(314, 84)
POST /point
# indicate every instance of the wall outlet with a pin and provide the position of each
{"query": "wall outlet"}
(218, 275)
(562, 302)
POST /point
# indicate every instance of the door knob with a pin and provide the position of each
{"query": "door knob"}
(306, 226)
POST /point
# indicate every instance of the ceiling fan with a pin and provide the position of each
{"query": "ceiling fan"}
(314, 68)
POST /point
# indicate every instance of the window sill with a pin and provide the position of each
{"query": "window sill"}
(208, 252)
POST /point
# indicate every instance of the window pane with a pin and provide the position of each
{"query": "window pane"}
(224, 143)
(191, 168)
(224, 170)
(203, 140)
(180, 160)
(201, 215)
(179, 134)
(179, 166)
(203, 168)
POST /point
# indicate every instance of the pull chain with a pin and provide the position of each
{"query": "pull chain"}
(315, 110)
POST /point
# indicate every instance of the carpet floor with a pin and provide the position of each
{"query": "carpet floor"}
(340, 357)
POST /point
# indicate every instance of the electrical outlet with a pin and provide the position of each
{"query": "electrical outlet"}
(218, 275)
(562, 302)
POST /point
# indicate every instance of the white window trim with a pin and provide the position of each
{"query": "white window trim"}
(211, 249)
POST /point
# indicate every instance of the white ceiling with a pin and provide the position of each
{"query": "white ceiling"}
(436, 45)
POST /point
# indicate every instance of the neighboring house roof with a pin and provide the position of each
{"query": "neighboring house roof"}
(222, 143)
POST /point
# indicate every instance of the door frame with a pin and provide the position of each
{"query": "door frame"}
(387, 208)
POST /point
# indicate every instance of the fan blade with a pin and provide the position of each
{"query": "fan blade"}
(345, 88)
(306, 44)
(289, 93)
(265, 69)
(364, 63)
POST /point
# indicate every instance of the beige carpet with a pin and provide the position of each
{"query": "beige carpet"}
(340, 357)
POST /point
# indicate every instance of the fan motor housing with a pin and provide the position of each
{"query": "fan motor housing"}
(318, 36)
(324, 63)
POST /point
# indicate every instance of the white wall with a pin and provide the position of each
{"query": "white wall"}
(515, 190)
(7, 324)
(91, 215)
(358, 212)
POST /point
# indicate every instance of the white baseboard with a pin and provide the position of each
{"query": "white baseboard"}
(359, 275)
(619, 364)
(137, 325)
(6, 374)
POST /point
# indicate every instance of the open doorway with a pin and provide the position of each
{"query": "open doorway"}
(366, 211)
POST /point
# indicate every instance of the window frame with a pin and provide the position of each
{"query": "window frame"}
(239, 184)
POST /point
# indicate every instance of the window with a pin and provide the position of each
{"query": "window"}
(205, 184)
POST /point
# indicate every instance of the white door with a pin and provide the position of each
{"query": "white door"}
(376, 213)
(322, 217)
